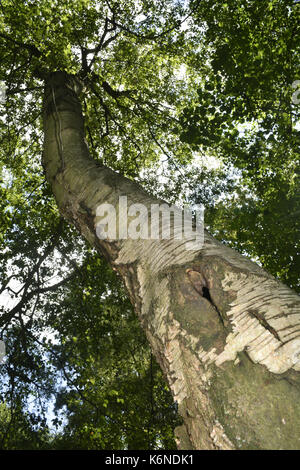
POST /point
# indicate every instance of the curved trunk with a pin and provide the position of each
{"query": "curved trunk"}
(225, 333)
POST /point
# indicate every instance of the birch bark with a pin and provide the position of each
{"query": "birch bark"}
(225, 333)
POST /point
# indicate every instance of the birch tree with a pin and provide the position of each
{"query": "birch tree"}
(224, 331)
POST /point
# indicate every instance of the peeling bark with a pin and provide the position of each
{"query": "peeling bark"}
(225, 333)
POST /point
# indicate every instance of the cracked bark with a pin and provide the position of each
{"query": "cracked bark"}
(225, 333)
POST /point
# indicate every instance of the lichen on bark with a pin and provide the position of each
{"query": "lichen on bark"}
(225, 333)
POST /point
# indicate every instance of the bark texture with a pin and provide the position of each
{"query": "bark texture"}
(225, 333)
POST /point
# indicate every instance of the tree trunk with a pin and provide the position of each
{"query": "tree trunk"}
(225, 333)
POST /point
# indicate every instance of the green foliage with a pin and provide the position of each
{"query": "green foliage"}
(17, 430)
(77, 344)
(245, 113)
(71, 335)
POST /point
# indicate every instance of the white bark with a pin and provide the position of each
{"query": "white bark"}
(231, 358)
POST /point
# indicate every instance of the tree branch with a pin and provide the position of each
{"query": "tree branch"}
(29, 47)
